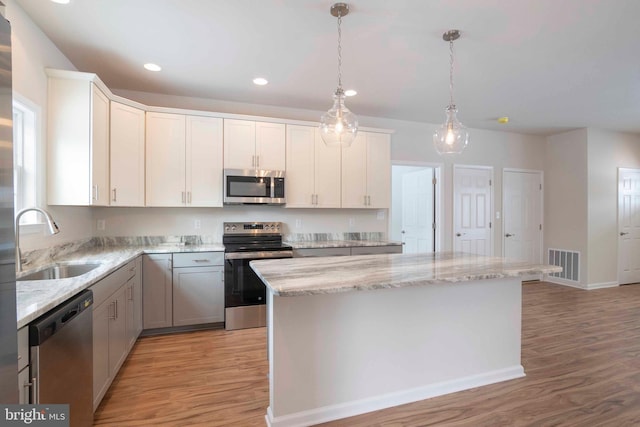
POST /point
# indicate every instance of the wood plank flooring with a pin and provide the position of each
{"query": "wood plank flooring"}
(580, 351)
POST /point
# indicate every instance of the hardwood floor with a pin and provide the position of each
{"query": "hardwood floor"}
(580, 351)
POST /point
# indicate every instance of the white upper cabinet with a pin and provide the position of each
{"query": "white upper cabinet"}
(165, 159)
(254, 145)
(183, 160)
(204, 161)
(366, 172)
(313, 170)
(78, 142)
(127, 155)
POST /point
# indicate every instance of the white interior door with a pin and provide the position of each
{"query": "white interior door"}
(472, 205)
(628, 225)
(417, 211)
(522, 215)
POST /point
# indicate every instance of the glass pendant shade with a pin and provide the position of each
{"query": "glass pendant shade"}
(452, 136)
(338, 126)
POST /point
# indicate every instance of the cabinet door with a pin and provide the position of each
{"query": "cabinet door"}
(165, 159)
(77, 143)
(24, 390)
(99, 147)
(156, 291)
(354, 173)
(118, 340)
(327, 174)
(239, 144)
(204, 161)
(198, 295)
(300, 167)
(379, 170)
(101, 373)
(127, 155)
(270, 146)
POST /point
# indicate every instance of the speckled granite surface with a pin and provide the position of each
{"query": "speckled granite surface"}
(309, 276)
(36, 297)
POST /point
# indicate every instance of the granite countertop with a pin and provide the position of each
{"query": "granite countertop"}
(36, 297)
(319, 244)
(309, 276)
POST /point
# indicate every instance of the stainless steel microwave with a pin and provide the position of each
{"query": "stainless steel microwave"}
(252, 186)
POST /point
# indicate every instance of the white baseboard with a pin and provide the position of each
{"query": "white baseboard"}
(587, 287)
(376, 403)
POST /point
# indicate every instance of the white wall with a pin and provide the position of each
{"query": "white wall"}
(32, 52)
(180, 221)
(565, 203)
(607, 151)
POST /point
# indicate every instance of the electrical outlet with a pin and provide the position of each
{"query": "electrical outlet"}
(197, 224)
(352, 222)
(100, 224)
(381, 215)
(497, 214)
(298, 223)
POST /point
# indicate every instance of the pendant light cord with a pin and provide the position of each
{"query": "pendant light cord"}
(451, 72)
(339, 50)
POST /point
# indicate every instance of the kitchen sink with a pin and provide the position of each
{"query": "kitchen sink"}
(60, 271)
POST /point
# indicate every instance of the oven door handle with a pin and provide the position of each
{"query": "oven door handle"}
(258, 255)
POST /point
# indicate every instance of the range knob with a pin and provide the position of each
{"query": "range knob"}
(233, 228)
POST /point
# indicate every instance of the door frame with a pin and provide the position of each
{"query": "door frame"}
(439, 203)
(541, 174)
(491, 203)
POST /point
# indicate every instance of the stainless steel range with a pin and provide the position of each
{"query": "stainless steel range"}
(244, 293)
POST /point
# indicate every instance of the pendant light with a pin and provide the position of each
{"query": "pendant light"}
(339, 126)
(452, 136)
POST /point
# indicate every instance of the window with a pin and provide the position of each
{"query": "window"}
(25, 184)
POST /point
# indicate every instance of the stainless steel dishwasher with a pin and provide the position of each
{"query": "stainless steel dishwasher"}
(61, 344)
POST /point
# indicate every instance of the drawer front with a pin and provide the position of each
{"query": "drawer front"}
(198, 259)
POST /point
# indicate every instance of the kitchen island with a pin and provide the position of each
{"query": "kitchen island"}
(349, 335)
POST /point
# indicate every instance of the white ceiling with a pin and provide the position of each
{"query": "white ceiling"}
(550, 65)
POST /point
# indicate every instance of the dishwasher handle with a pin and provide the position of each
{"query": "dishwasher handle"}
(47, 325)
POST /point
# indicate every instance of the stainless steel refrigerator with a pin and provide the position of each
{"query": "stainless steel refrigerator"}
(8, 322)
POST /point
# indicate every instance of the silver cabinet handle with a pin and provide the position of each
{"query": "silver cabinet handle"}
(201, 260)
(368, 200)
(623, 233)
(189, 197)
(258, 161)
(509, 235)
(183, 197)
(253, 161)
(113, 316)
(316, 200)
(312, 199)
(114, 195)
(365, 200)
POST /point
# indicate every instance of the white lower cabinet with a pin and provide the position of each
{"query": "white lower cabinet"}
(24, 377)
(183, 289)
(112, 339)
(198, 291)
(157, 292)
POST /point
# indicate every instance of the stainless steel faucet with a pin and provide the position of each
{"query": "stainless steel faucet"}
(53, 229)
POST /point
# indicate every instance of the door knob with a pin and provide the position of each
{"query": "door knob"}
(403, 232)
(623, 233)
(458, 234)
(509, 235)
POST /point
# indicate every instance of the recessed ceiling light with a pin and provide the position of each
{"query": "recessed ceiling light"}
(503, 120)
(260, 81)
(350, 92)
(152, 67)
(61, 1)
